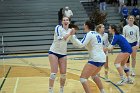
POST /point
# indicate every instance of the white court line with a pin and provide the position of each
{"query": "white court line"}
(15, 88)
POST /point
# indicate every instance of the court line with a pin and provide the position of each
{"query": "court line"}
(5, 78)
(16, 85)
(46, 55)
(121, 91)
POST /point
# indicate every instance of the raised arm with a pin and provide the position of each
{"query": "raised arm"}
(81, 43)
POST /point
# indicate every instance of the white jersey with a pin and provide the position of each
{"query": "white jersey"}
(93, 43)
(131, 33)
(105, 40)
(59, 45)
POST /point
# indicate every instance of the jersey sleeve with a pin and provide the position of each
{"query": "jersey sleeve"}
(138, 36)
(107, 41)
(124, 31)
(81, 43)
(114, 40)
(58, 29)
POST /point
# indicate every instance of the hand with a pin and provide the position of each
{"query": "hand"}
(105, 49)
(72, 32)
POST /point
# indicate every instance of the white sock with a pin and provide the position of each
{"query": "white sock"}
(50, 89)
(122, 77)
(61, 89)
(102, 91)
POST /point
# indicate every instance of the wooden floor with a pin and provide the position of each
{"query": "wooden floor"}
(31, 75)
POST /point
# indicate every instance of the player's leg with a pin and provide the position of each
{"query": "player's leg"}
(106, 67)
(62, 66)
(133, 57)
(88, 71)
(119, 60)
(98, 82)
(54, 69)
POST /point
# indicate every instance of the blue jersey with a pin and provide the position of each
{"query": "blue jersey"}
(122, 42)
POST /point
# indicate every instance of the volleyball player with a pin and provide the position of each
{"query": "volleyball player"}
(131, 33)
(57, 53)
(106, 43)
(97, 58)
(123, 56)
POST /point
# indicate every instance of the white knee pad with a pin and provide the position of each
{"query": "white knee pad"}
(63, 76)
(83, 80)
(117, 65)
(53, 76)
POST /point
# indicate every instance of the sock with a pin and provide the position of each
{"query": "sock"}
(61, 89)
(102, 91)
(133, 69)
(51, 89)
(106, 76)
(122, 77)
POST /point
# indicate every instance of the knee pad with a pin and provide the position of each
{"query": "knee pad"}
(126, 69)
(83, 80)
(53, 76)
(63, 76)
(117, 65)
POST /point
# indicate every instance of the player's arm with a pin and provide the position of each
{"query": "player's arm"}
(113, 43)
(81, 43)
(58, 31)
(138, 38)
(124, 32)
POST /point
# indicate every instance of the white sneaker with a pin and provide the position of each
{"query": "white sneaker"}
(129, 81)
(51, 91)
(133, 73)
(121, 83)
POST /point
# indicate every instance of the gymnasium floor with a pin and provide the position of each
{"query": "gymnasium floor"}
(30, 74)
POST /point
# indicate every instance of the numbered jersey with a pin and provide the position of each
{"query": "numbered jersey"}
(93, 43)
(105, 40)
(131, 33)
(59, 45)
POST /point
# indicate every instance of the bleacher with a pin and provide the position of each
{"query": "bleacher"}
(28, 25)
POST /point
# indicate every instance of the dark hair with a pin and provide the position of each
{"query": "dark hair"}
(90, 24)
(115, 29)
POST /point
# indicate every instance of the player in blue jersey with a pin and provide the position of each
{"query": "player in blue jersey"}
(92, 41)
(123, 56)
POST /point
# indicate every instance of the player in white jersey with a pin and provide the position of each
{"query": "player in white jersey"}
(105, 45)
(131, 33)
(97, 58)
(57, 53)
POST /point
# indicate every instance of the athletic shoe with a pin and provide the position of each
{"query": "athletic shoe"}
(121, 83)
(133, 73)
(129, 81)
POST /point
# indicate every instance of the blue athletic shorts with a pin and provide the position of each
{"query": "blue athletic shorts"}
(133, 44)
(97, 64)
(58, 55)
